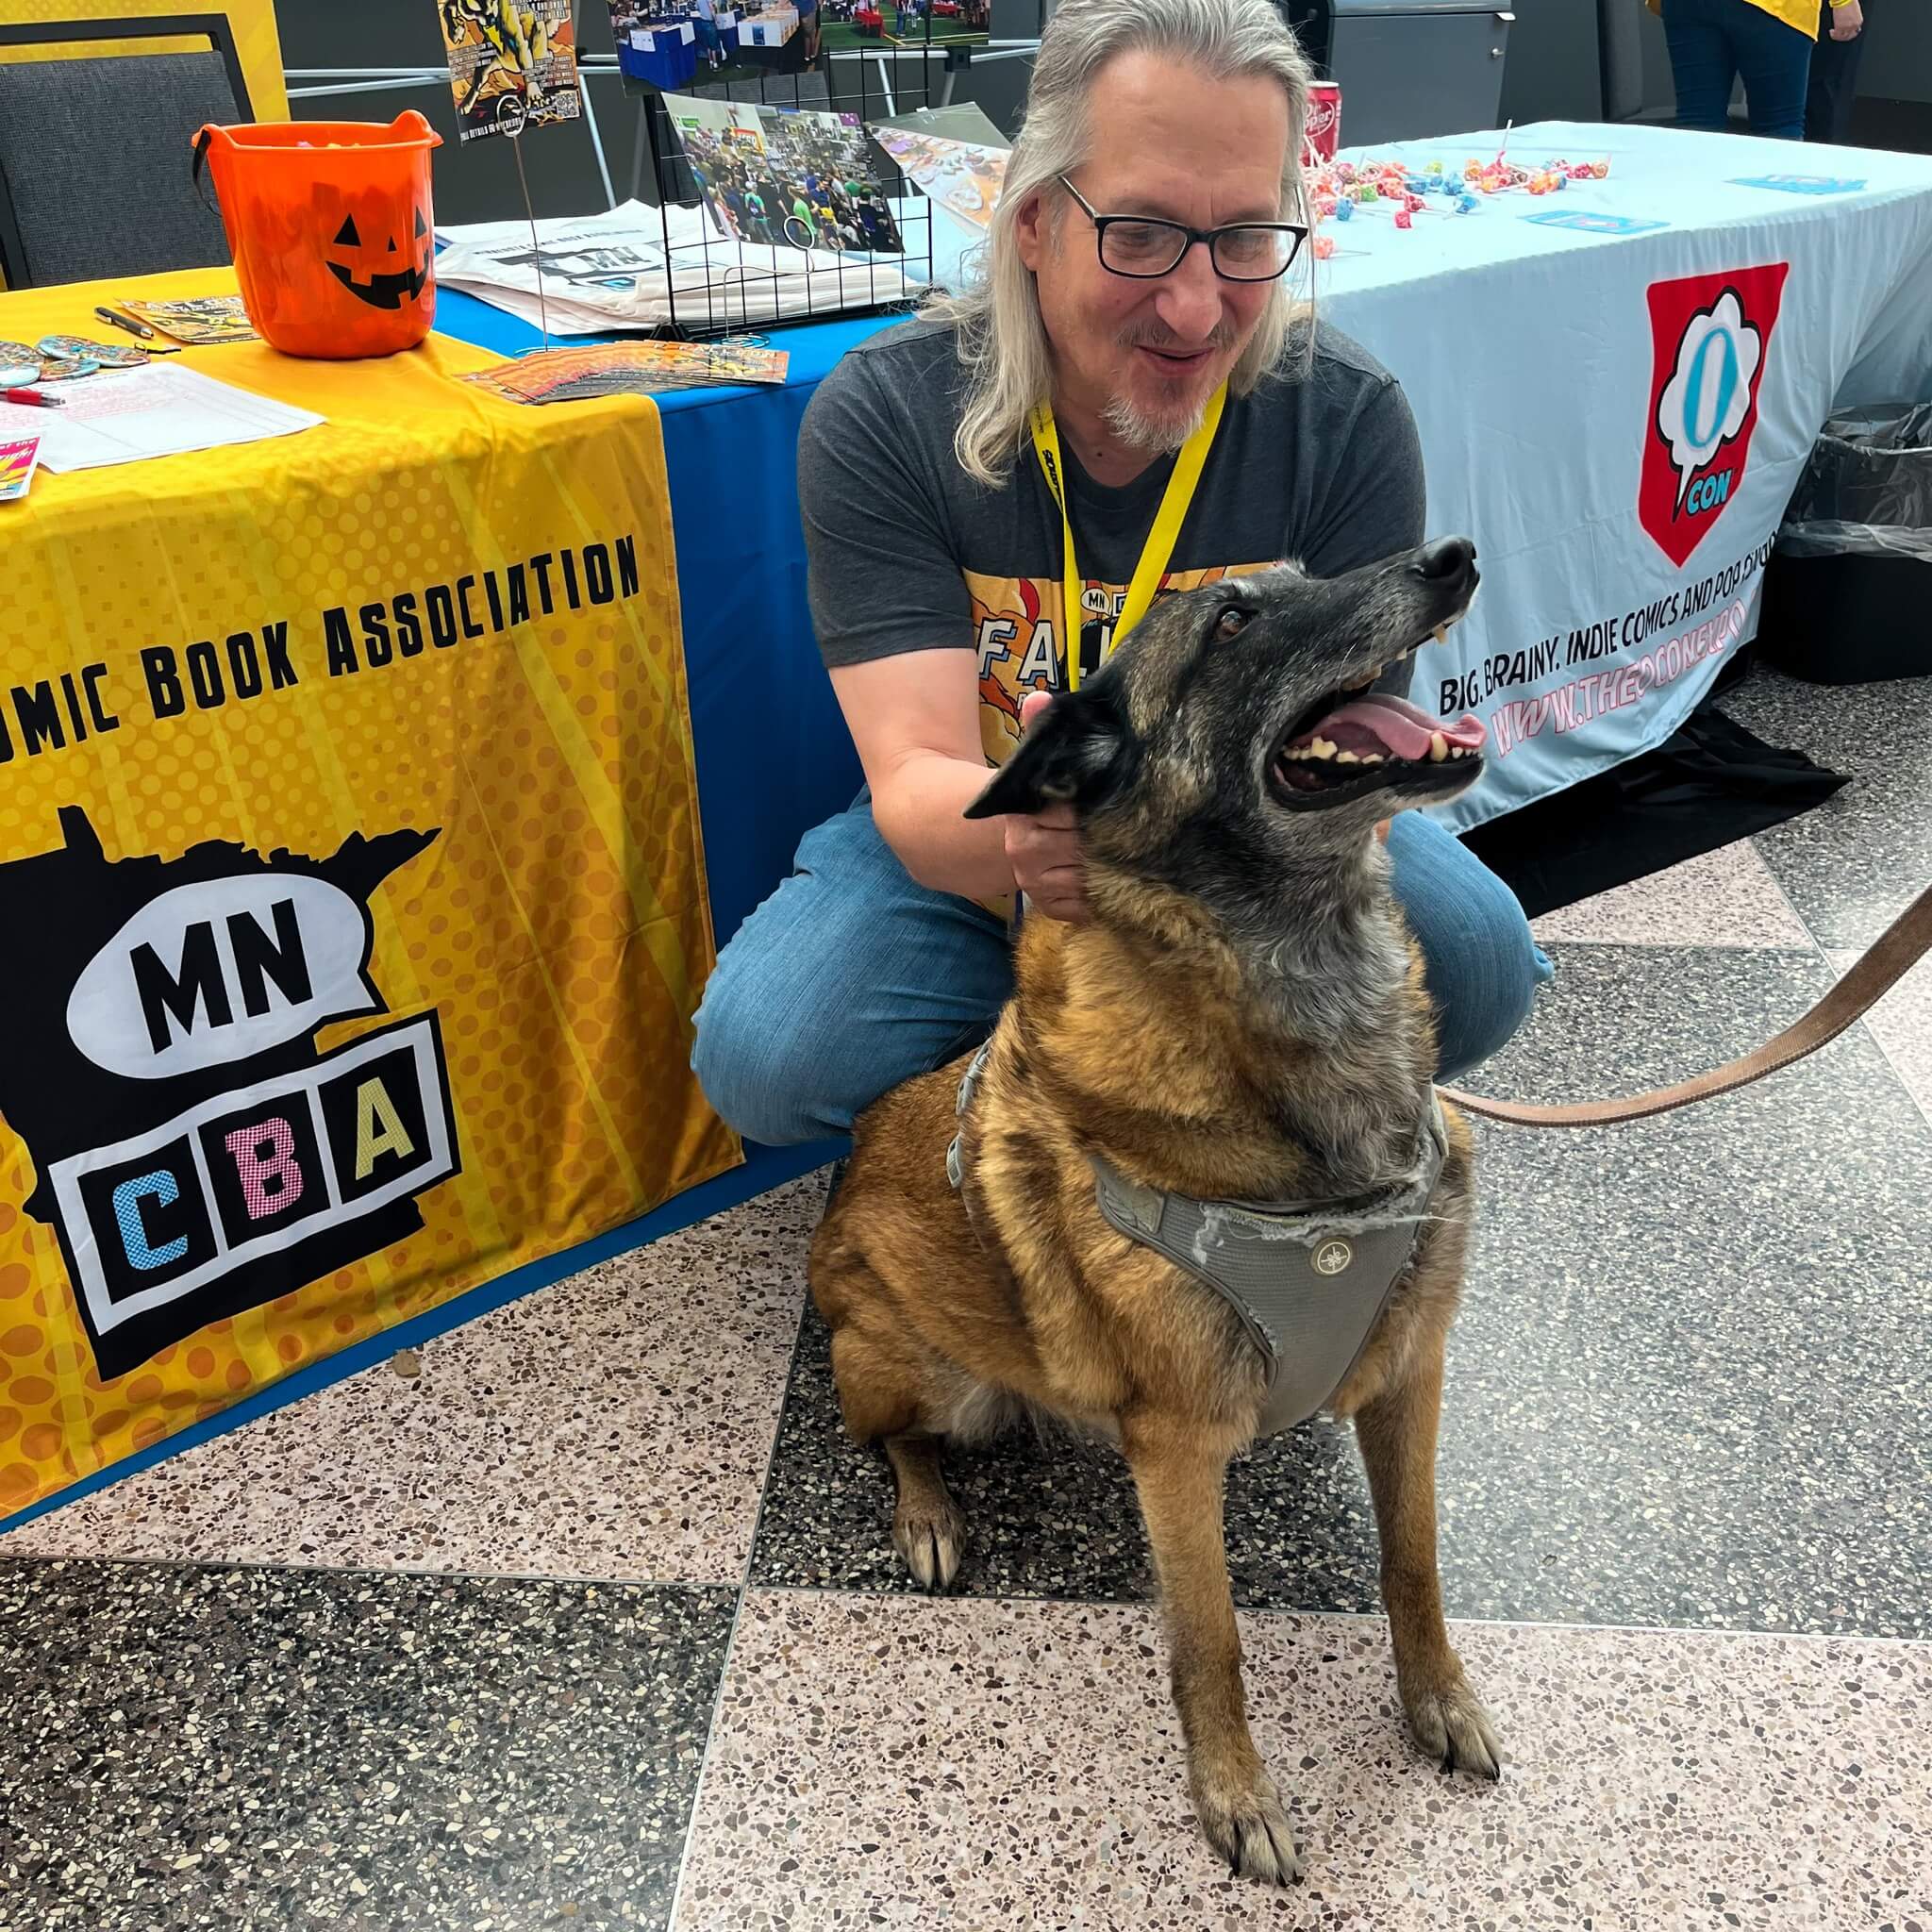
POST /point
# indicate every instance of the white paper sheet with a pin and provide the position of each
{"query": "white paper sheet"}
(127, 415)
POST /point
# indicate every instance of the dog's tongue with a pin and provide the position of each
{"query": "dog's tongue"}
(1394, 727)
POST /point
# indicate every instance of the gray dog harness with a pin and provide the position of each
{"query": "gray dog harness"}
(1308, 1279)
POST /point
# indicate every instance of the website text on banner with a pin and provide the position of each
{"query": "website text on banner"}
(349, 837)
(1618, 420)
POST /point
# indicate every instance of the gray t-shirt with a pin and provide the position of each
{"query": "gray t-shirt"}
(907, 553)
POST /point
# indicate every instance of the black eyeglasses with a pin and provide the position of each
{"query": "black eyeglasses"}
(1145, 249)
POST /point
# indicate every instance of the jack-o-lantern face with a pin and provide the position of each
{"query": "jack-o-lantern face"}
(378, 271)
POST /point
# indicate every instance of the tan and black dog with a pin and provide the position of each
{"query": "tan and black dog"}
(1244, 1019)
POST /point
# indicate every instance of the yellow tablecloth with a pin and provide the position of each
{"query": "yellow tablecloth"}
(350, 876)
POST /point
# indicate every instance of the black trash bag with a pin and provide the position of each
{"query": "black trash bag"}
(1845, 591)
(1867, 488)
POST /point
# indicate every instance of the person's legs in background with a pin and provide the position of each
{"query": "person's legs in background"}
(1703, 61)
(1482, 966)
(1776, 61)
(1834, 80)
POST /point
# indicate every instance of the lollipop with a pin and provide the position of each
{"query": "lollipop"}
(1325, 247)
(1344, 210)
(1404, 219)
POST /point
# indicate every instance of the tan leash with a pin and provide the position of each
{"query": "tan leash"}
(1891, 956)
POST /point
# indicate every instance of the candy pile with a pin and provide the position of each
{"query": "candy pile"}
(1338, 190)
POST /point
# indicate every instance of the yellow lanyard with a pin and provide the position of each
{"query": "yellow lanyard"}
(1160, 538)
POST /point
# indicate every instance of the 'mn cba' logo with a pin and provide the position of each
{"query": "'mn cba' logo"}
(196, 1155)
(1709, 335)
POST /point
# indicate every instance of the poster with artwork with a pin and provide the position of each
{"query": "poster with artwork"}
(513, 64)
(958, 175)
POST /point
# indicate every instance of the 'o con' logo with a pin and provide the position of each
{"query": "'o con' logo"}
(1710, 336)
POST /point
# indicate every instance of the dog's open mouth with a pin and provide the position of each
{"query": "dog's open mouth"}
(1356, 742)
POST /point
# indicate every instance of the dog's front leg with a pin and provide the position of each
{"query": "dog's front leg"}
(1178, 1473)
(1397, 1433)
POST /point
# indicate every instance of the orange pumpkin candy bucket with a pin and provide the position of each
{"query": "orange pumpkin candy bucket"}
(331, 228)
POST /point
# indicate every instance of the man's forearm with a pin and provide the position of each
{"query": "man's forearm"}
(918, 813)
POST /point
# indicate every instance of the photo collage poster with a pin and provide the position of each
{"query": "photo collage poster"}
(784, 176)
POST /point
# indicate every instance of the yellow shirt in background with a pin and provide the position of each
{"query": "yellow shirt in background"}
(1802, 14)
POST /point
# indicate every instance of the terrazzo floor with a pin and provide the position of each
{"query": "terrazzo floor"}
(594, 1622)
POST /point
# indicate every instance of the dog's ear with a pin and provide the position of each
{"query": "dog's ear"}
(1073, 753)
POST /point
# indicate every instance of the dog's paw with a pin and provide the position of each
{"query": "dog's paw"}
(930, 1536)
(1455, 1730)
(1246, 1824)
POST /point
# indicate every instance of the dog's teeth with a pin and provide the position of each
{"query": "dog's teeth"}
(1371, 758)
(1441, 633)
(1346, 757)
(1439, 747)
(1321, 748)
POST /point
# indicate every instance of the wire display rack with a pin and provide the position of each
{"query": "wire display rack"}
(731, 282)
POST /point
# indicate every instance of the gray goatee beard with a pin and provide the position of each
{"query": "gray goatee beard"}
(1153, 434)
(1160, 431)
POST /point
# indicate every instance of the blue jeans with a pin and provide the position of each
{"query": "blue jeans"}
(853, 977)
(1713, 41)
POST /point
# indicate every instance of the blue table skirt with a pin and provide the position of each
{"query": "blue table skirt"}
(671, 64)
(774, 757)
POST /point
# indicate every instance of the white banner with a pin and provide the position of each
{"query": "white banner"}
(1617, 386)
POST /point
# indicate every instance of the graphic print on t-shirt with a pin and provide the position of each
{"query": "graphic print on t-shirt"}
(1016, 628)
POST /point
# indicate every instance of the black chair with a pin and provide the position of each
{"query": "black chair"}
(94, 152)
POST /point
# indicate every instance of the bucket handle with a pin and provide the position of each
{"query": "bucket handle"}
(202, 143)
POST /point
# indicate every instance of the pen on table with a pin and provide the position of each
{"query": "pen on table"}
(135, 328)
(32, 398)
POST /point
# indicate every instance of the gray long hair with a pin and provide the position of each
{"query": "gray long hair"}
(1002, 340)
